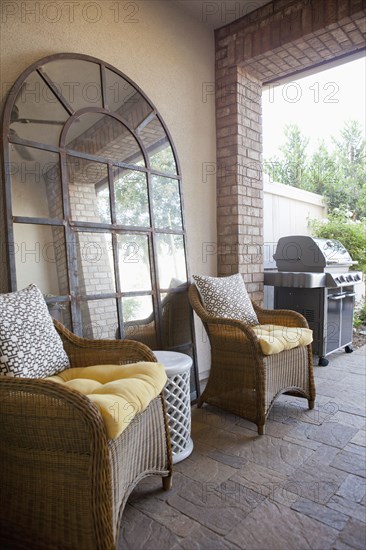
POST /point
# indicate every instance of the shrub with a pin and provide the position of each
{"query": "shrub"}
(359, 318)
(352, 234)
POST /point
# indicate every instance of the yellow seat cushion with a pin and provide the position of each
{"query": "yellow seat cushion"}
(275, 338)
(119, 391)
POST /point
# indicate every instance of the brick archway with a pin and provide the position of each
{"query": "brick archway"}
(282, 38)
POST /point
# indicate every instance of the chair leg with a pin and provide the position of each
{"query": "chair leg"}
(261, 430)
(311, 403)
(167, 482)
(200, 402)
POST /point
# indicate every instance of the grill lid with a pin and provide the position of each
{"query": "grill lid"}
(304, 253)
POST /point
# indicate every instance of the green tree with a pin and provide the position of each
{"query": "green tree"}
(291, 167)
(338, 175)
(350, 161)
(324, 177)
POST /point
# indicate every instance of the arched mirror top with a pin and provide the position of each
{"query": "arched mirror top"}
(59, 90)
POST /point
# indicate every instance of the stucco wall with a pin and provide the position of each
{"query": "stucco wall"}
(166, 53)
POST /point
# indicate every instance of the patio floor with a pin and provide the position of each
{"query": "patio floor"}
(300, 486)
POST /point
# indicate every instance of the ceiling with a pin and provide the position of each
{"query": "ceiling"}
(217, 13)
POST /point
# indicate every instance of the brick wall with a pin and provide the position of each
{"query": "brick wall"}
(239, 195)
(280, 39)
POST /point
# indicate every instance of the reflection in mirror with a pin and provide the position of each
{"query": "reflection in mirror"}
(132, 207)
(171, 260)
(77, 80)
(166, 203)
(95, 268)
(40, 257)
(103, 136)
(59, 311)
(88, 190)
(176, 328)
(139, 320)
(35, 183)
(158, 147)
(125, 100)
(37, 113)
(99, 319)
(103, 203)
(134, 262)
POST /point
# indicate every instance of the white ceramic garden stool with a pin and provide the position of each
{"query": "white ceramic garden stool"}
(177, 396)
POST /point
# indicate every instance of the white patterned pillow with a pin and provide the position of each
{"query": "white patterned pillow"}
(29, 344)
(226, 297)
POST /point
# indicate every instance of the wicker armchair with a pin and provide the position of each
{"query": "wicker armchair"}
(63, 483)
(244, 381)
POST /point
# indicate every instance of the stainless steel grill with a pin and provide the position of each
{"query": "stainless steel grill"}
(313, 278)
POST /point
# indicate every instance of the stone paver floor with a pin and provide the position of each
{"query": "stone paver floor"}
(300, 486)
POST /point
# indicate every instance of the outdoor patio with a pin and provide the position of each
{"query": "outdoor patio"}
(300, 486)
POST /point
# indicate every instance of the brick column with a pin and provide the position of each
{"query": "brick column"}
(239, 178)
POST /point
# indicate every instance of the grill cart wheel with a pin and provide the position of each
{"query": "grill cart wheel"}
(323, 362)
(348, 349)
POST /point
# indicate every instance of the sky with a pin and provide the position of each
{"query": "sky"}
(319, 104)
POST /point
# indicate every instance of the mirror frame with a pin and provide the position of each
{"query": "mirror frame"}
(74, 298)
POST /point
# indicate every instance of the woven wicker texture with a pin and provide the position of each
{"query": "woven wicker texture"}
(63, 484)
(244, 381)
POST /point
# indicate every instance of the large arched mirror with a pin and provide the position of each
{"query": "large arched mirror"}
(93, 202)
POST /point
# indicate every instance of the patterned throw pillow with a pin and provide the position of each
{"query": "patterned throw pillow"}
(226, 297)
(29, 344)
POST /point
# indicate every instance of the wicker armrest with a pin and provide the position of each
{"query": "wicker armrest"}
(232, 329)
(283, 317)
(42, 415)
(85, 352)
